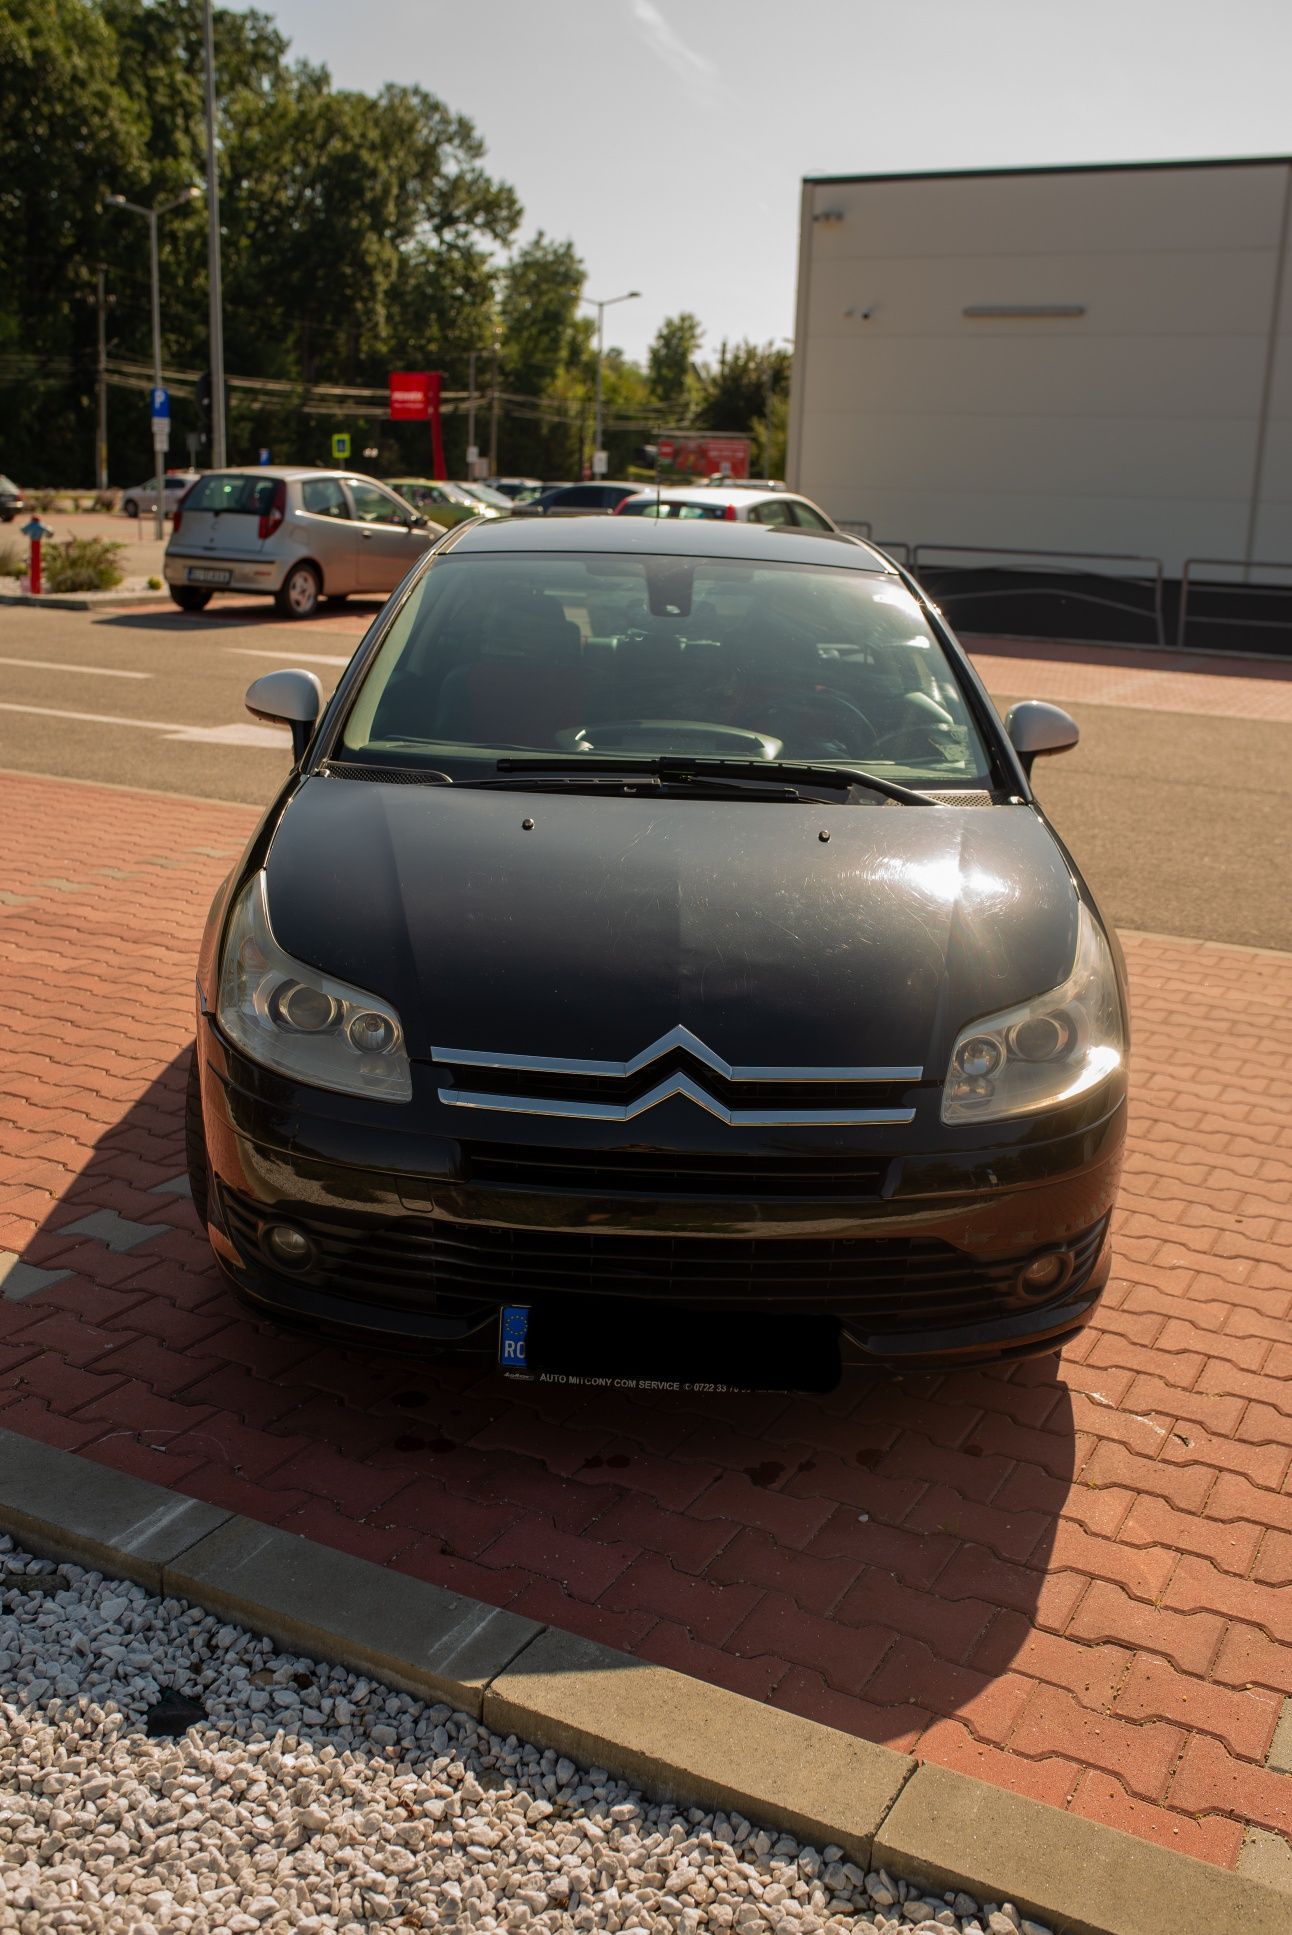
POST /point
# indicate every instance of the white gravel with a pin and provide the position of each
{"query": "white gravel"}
(308, 1799)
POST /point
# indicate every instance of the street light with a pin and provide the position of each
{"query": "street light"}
(598, 454)
(151, 216)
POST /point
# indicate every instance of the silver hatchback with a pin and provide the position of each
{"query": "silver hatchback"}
(295, 535)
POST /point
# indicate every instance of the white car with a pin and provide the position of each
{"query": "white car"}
(143, 497)
(294, 534)
(729, 503)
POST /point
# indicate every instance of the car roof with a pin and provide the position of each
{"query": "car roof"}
(290, 471)
(665, 537)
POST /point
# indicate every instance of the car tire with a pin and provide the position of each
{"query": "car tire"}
(195, 1156)
(190, 597)
(130, 507)
(299, 594)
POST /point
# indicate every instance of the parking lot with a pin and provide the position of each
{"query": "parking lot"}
(1069, 1577)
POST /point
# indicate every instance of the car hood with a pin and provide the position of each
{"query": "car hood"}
(611, 920)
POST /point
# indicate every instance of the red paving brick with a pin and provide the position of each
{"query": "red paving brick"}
(1070, 1578)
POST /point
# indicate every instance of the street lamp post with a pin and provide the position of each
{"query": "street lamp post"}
(218, 456)
(598, 454)
(151, 216)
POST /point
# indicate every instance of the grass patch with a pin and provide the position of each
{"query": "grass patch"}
(82, 564)
(13, 559)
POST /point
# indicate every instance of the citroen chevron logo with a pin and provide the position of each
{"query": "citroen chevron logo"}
(677, 1083)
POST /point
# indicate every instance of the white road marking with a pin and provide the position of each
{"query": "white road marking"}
(236, 735)
(59, 665)
(304, 658)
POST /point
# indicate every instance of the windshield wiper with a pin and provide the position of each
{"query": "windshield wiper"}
(682, 768)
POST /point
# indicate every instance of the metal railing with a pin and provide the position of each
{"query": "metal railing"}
(1061, 565)
(1189, 583)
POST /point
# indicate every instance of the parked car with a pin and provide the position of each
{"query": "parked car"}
(731, 503)
(578, 500)
(656, 966)
(448, 504)
(296, 535)
(516, 487)
(496, 500)
(143, 497)
(11, 500)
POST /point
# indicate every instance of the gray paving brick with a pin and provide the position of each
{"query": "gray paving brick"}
(1279, 1756)
(18, 1280)
(173, 1186)
(105, 1226)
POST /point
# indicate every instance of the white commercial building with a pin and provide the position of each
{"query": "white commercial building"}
(1093, 360)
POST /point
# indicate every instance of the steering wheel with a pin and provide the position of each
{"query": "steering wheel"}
(913, 740)
(785, 716)
(667, 736)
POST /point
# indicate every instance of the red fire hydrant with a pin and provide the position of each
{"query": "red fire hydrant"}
(34, 531)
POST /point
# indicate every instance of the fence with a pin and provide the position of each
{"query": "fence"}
(1060, 565)
(1189, 584)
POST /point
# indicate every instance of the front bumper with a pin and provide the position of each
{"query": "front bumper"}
(420, 1233)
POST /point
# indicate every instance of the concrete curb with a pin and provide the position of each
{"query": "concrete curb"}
(674, 1737)
(86, 600)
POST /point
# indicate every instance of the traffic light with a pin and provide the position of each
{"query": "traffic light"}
(204, 393)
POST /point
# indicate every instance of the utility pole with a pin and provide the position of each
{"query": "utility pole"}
(218, 453)
(493, 410)
(598, 454)
(151, 216)
(101, 434)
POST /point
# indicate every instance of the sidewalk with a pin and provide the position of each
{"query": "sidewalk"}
(1069, 1579)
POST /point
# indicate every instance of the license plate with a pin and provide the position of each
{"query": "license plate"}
(513, 1340)
(564, 1342)
(207, 574)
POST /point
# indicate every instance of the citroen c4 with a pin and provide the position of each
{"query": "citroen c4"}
(656, 967)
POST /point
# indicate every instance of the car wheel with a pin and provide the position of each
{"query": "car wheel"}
(190, 597)
(130, 507)
(195, 1157)
(300, 592)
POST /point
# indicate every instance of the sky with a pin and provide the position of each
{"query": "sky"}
(668, 138)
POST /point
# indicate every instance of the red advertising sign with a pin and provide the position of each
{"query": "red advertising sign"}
(410, 395)
(414, 396)
(702, 455)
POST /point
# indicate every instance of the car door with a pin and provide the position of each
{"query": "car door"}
(324, 530)
(387, 543)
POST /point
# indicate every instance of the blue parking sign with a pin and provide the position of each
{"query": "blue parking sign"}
(160, 402)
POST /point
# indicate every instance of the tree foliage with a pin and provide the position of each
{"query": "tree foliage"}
(361, 234)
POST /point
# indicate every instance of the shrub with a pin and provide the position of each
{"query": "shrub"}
(44, 500)
(154, 584)
(82, 564)
(13, 559)
(105, 500)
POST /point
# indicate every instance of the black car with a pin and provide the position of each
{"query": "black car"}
(11, 500)
(577, 500)
(656, 967)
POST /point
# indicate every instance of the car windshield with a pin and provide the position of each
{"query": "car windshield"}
(670, 507)
(231, 491)
(630, 656)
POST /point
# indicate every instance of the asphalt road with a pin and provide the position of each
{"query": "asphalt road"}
(1179, 820)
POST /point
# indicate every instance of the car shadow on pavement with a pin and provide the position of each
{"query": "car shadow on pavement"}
(875, 1558)
(256, 611)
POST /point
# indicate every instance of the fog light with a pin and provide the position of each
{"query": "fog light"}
(1045, 1273)
(372, 1034)
(289, 1247)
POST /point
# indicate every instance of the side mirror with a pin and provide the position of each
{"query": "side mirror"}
(1035, 728)
(293, 699)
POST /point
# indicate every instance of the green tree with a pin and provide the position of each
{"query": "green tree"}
(671, 364)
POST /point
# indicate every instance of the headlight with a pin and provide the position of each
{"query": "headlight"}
(1046, 1051)
(301, 1022)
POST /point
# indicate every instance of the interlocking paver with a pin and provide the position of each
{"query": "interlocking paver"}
(1067, 1577)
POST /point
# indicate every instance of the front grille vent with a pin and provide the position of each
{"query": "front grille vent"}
(652, 1172)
